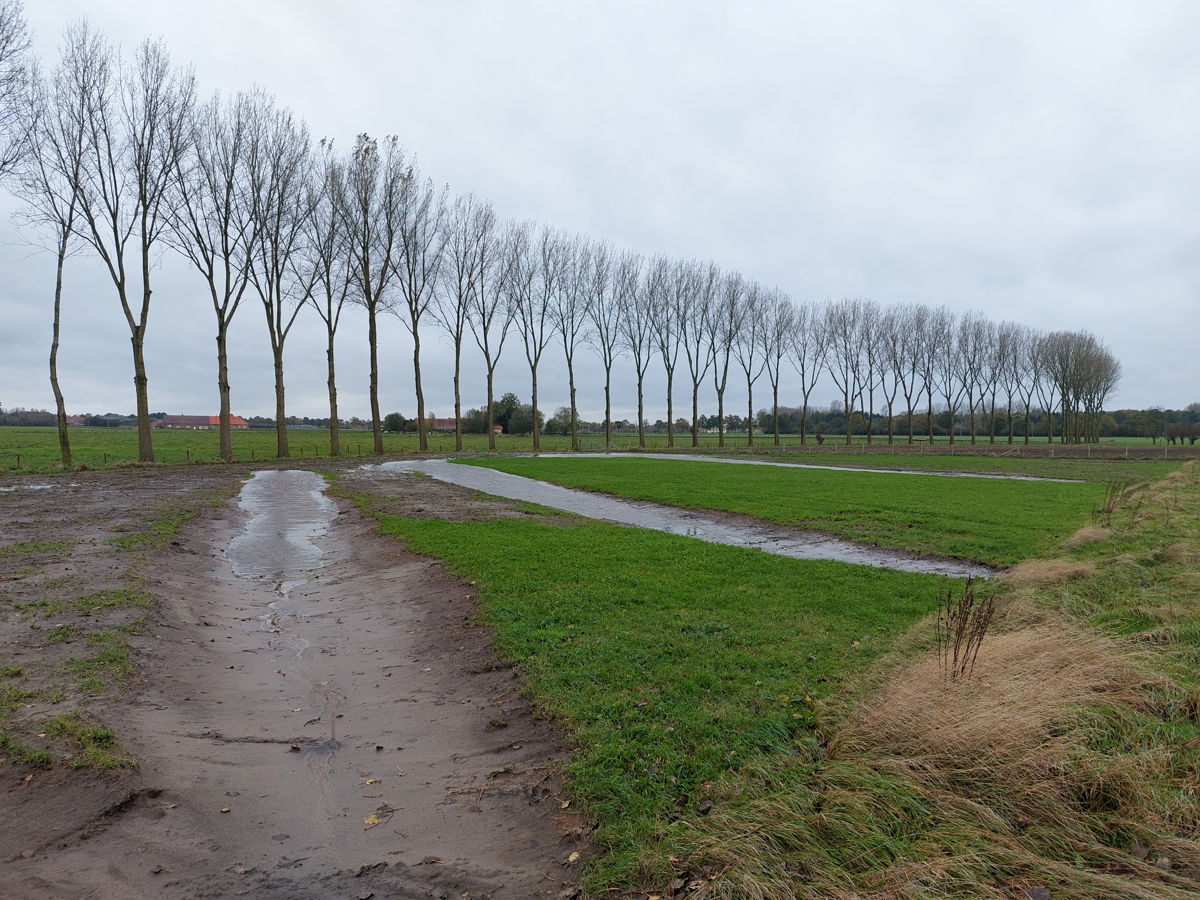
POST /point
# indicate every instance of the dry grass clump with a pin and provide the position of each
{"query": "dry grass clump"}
(1088, 534)
(1024, 681)
(1048, 571)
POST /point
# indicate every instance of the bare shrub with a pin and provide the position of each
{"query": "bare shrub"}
(962, 623)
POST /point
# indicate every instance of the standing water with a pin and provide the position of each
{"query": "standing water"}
(288, 512)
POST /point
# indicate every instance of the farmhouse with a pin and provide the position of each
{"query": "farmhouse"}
(200, 423)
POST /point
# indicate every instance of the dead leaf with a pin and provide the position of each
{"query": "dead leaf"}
(574, 857)
(381, 815)
(224, 809)
(370, 781)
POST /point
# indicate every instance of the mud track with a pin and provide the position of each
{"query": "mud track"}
(328, 723)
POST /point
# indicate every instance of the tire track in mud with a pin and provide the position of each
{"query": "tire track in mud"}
(320, 720)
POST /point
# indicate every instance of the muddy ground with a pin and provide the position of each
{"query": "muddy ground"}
(342, 732)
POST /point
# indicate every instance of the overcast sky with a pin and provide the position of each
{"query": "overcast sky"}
(1035, 161)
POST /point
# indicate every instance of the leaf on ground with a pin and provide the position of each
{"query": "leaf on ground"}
(378, 817)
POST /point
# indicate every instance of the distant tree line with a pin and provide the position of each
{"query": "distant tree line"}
(118, 155)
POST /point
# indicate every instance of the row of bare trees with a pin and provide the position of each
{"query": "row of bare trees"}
(121, 158)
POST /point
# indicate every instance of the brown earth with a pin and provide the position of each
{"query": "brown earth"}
(353, 735)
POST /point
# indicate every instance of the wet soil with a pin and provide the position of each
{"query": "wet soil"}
(317, 713)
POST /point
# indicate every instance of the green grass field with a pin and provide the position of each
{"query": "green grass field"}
(992, 520)
(712, 696)
(673, 662)
(36, 449)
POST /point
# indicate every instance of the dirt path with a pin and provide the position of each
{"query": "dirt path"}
(326, 724)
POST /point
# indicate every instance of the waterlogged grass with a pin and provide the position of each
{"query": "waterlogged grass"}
(1104, 470)
(672, 662)
(995, 521)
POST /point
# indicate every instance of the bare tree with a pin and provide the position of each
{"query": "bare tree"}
(998, 371)
(14, 48)
(604, 313)
(135, 125)
(778, 322)
(212, 224)
(635, 325)
(694, 289)
(1045, 384)
(747, 347)
(843, 328)
(1018, 381)
(280, 166)
(947, 366)
(910, 323)
(661, 292)
(470, 228)
(537, 273)
(893, 348)
(570, 316)
(324, 267)
(806, 342)
(54, 126)
(370, 197)
(971, 348)
(489, 314)
(725, 324)
(871, 359)
(422, 211)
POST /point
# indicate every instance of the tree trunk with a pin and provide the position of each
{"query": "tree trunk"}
(574, 416)
(608, 407)
(225, 437)
(537, 437)
(749, 412)
(335, 434)
(422, 431)
(372, 340)
(140, 381)
(458, 442)
(849, 421)
(281, 435)
(641, 415)
(64, 438)
(670, 411)
(695, 414)
(491, 412)
(721, 418)
(775, 408)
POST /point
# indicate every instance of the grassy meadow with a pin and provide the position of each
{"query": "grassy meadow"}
(36, 449)
(760, 727)
(995, 521)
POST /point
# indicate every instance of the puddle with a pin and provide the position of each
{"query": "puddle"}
(37, 487)
(641, 514)
(288, 512)
(789, 465)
